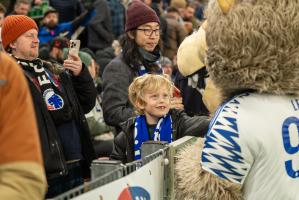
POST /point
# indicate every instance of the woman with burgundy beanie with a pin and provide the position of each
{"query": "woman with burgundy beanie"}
(140, 55)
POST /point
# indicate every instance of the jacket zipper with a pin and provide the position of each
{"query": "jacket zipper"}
(61, 161)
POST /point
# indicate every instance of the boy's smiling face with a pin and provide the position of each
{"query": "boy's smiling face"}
(157, 104)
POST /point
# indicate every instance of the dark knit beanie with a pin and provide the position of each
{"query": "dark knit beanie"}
(14, 26)
(139, 13)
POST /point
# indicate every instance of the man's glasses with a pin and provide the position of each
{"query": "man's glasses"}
(149, 32)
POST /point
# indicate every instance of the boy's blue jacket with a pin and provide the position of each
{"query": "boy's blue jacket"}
(182, 125)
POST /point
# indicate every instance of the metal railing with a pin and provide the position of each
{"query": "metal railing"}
(109, 177)
(168, 152)
(172, 151)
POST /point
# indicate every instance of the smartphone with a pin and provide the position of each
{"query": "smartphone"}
(176, 92)
(74, 47)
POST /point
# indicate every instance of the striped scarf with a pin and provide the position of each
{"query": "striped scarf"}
(163, 132)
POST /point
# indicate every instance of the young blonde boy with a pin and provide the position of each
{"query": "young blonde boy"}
(150, 94)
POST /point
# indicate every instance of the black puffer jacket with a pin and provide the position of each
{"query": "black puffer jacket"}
(81, 94)
(182, 125)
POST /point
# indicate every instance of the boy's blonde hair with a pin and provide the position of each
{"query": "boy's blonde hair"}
(144, 84)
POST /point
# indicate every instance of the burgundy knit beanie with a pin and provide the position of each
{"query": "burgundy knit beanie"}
(14, 26)
(139, 13)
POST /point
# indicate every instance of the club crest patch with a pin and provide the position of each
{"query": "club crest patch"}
(53, 100)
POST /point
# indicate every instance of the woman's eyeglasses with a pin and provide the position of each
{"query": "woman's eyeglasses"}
(149, 32)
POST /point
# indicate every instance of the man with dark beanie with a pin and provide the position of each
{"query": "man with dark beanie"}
(60, 102)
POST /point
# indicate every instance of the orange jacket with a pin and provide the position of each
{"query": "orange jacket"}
(21, 167)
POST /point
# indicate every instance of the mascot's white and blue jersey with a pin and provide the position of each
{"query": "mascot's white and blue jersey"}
(253, 140)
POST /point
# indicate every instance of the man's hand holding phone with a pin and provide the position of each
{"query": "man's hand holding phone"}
(73, 63)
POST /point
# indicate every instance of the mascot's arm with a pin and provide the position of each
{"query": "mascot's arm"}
(217, 167)
(192, 182)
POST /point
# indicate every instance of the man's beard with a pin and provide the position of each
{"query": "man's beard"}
(51, 25)
(187, 19)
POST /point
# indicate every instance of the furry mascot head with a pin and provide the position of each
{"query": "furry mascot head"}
(251, 150)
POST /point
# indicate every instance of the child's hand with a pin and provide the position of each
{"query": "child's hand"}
(177, 103)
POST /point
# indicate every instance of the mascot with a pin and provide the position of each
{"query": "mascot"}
(251, 150)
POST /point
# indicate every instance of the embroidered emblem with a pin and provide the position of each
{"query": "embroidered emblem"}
(53, 100)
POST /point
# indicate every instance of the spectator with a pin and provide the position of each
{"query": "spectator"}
(103, 57)
(22, 174)
(60, 103)
(191, 22)
(68, 9)
(167, 67)
(180, 5)
(21, 7)
(140, 54)
(151, 94)
(157, 7)
(102, 135)
(99, 30)
(54, 52)
(199, 11)
(117, 12)
(51, 28)
(176, 33)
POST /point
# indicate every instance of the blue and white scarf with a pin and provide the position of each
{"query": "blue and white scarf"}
(163, 132)
(142, 70)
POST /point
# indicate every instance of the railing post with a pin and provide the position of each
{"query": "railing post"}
(101, 167)
(173, 149)
(150, 147)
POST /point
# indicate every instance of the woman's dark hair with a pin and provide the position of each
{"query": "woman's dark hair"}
(132, 56)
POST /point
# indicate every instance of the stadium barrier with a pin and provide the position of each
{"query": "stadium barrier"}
(152, 177)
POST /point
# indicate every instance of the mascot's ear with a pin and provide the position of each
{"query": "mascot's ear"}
(226, 5)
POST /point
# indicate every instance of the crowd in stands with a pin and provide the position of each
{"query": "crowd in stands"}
(94, 104)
